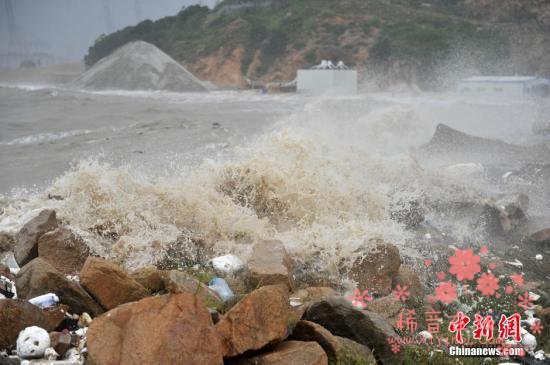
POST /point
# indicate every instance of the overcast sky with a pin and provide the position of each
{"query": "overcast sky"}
(68, 27)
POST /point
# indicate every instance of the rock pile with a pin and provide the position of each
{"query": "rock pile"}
(139, 66)
(75, 308)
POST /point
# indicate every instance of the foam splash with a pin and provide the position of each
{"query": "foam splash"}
(322, 185)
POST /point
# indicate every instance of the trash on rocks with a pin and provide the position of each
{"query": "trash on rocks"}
(515, 263)
(7, 288)
(534, 297)
(45, 300)
(227, 264)
(32, 342)
(426, 335)
(220, 286)
(538, 257)
(528, 341)
(539, 355)
(50, 354)
(295, 302)
(85, 320)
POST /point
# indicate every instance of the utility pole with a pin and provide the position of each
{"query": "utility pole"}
(108, 17)
(11, 20)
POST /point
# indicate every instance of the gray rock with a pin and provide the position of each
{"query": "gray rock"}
(364, 327)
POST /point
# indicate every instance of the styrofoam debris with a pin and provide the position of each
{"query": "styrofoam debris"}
(426, 335)
(538, 257)
(50, 354)
(539, 355)
(32, 342)
(227, 264)
(45, 300)
(295, 302)
(529, 341)
(14, 270)
(85, 320)
(515, 263)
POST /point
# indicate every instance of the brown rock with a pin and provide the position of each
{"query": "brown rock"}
(367, 328)
(387, 307)
(7, 242)
(541, 236)
(26, 247)
(309, 331)
(16, 315)
(60, 341)
(375, 271)
(409, 278)
(5, 271)
(180, 282)
(64, 250)
(109, 284)
(39, 277)
(290, 353)
(269, 265)
(261, 318)
(150, 278)
(168, 329)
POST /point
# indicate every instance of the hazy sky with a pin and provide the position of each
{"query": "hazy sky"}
(67, 28)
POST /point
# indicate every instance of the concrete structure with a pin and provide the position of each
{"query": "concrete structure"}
(503, 87)
(327, 78)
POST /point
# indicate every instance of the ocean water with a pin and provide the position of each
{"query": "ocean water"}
(133, 171)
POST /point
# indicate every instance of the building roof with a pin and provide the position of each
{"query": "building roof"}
(500, 79)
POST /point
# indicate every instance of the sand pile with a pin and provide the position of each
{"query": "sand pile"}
(138, 66)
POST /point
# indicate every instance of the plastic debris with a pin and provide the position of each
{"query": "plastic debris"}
(227, 264)
(85, 320)
(426, 335)
(515, 263)
(7, 288)
(295, 302)
(529, 341)
(45, 301)
(50, 354)
(32, 342)
(538, 257)
(539, 355)
(534, 297)
(220, 286)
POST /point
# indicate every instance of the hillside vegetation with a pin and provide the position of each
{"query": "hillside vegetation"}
(422, 42)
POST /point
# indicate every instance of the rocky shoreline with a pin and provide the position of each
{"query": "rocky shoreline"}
(67, 306)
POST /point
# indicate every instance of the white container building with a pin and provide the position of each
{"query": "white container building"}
(327, 78)
(502, 87)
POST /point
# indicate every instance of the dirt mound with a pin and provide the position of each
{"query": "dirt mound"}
(138, 66)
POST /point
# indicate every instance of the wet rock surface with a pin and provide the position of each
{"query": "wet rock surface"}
(109, 284)
(26, 246)
(270, 264)
(64, 250)
(39, 277)
(168, 329)
(16, 315)
(261, 318)
(365, 327)
(290, 353)
(377, 268)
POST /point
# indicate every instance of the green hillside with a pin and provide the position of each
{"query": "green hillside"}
(403, 39)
